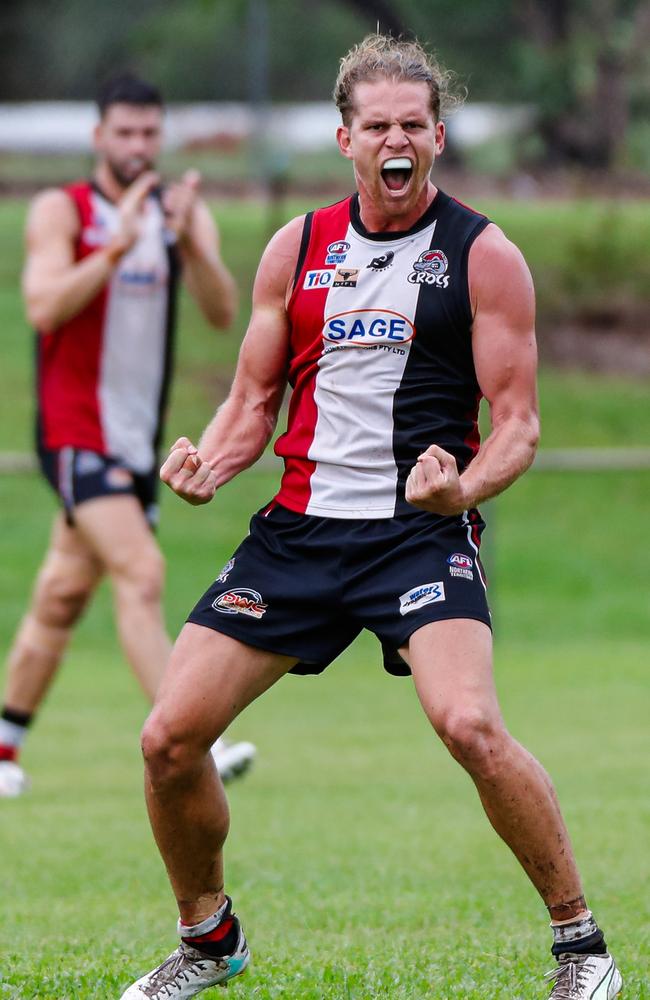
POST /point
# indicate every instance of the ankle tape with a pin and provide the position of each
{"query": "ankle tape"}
(580, 936)
(207, 925)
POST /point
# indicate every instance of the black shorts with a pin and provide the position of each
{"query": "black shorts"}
(77, 475)
(306, 586)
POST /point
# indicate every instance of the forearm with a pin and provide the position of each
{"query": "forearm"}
(502, 458)
(238, 434)
(56, 299)
(210, 284)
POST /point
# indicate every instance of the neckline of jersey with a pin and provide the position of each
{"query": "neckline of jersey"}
(425, 220)
(156, 192)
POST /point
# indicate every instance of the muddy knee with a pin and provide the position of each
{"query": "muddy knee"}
(475, 740)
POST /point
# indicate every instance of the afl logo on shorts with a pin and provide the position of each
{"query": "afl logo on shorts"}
(241, 601)
(460, 559)
(368, 327)
(461, 566)
(430, 269)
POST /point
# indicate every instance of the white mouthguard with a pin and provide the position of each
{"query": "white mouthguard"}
(397, 163)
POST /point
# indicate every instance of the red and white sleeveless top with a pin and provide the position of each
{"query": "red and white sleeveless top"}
(103, 375)
(381, 358)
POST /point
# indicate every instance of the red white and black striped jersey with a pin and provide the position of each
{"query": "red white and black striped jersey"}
(103, 375)
(381, 361)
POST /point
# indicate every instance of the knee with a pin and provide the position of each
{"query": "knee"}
(141, 578)
(170, 758)
(61, 594)
(476, 740)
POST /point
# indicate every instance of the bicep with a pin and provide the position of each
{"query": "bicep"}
(503, 335)
(264, 356)
(49, 240)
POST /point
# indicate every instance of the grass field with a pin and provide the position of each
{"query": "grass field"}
(359, 857)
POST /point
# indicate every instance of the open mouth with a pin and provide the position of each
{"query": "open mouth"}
(396, 173)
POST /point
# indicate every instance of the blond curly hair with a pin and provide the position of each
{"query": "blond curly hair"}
(384, 57)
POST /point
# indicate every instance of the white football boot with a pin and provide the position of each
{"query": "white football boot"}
(188, 971)
(232, 759)
(13, 780)
(585, 977)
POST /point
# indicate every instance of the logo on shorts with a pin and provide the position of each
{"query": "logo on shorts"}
(461, 565)
(430, 269)
(225, 572)
(117, 478)
(337, 252)
(346, 277)
(240, 601)
(88, 462)
(426, 593)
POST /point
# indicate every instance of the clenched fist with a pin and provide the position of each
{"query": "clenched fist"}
(187, 474)
(434, 484)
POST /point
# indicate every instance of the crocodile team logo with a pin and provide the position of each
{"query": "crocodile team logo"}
(430, 269)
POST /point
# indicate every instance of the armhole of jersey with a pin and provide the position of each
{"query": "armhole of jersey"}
(71, 192)
(480, 226)
(304, 246)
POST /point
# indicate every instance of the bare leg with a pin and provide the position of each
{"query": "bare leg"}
(65, 582)
(210, 679)
(451, 663)
(116, 530)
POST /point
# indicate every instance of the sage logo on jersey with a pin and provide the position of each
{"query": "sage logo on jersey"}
(382, 262)
(430, 269)
(318, 279)
(337, 252)
(426, 593)
(461, 566)
(346, 277)
(368, 328)
(240, 601)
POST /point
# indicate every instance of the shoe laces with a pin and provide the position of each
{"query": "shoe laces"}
(181, 965)
(570, 975)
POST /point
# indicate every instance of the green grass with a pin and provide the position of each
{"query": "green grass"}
(359, 857)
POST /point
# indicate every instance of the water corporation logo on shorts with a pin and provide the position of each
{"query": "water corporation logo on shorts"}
(426, 593)
(241, 601)
(430, 269)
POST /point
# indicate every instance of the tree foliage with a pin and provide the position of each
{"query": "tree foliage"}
(583, 64)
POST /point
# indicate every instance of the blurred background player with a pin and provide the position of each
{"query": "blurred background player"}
(103, 261)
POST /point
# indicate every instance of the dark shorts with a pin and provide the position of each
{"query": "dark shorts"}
(306, 586)
(77, 475)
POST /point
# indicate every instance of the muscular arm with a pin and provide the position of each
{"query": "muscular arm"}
(505, 358)
(208, 280)
(55, 286)
(243, 425)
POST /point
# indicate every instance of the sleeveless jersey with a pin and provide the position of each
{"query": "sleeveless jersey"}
(103, 375)
(381, 359)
